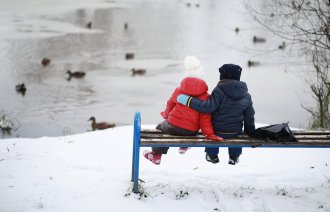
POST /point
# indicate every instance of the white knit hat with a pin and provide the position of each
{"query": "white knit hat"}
(193, 67)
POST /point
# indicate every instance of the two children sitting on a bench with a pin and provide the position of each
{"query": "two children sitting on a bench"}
(230, 105)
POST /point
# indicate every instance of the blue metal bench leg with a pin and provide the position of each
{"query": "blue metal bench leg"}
(136, 152)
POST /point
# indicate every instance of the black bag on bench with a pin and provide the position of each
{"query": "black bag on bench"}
(278, 132)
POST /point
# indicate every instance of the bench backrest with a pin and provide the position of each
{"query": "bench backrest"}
(157, 138)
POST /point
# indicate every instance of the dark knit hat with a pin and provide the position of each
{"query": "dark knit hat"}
(230, 71)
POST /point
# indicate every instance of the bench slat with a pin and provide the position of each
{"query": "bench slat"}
(166, 136)
(154, 137)
(155, 131)
(190, 143)
(164, 140)
(311, 132)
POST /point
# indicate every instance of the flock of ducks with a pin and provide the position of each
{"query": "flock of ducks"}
(21, 88)
(128, 56)
(256, 39)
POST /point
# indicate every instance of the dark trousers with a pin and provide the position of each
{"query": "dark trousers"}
(232, 151)
(168, 128)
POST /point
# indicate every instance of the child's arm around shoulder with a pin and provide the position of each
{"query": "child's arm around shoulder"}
(207, 106)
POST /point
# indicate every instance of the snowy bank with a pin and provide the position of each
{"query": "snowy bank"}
(91, 172)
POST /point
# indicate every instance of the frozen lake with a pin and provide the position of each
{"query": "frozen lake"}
(160, 33)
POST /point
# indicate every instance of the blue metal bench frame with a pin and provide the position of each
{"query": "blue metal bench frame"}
(226, 143)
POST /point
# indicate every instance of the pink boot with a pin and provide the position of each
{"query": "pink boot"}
(152, 156)
(183, 150)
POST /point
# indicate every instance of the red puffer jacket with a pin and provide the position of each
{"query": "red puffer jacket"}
(185, 117)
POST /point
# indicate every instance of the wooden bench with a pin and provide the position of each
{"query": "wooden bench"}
(156, 138)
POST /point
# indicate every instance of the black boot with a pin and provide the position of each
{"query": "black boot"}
(212, 158)
(233, 160)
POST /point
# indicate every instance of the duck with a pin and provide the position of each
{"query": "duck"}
(236, 29)
(45, 61)
(6, 124)
(258, 39)
(126, 25)
(21, 88)
(282, 46)
(253, 63)
(129, 56)
(76, 74)
(138, 71)
(100, 125)
(197, 5)
(89, 25)
(188, 4)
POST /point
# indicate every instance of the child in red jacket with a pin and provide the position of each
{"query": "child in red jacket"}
(180, 119)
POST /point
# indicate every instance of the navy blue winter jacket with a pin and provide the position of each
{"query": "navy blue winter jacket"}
(230, 105)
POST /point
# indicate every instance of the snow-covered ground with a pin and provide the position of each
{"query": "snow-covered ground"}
(92, 172)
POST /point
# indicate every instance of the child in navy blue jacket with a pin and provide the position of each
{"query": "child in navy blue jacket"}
(231, 107)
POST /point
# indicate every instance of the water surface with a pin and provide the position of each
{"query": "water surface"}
(160, 34)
